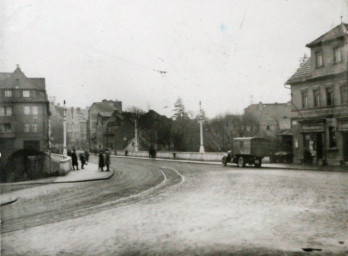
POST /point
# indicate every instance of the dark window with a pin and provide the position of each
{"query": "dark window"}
(5, 127)
(319, 59)
(304, 99)
(268, 127)
(332, 137)
(316, 95)
(344, 94)
(329, 100)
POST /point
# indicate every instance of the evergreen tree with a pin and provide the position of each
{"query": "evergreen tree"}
(179, 110)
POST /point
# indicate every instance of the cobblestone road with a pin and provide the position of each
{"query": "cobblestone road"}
(168, 208)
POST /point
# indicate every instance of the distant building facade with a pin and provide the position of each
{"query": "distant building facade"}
(319, 94)
(104, 108)
(273, 118)
(76, 127)
(24, 113)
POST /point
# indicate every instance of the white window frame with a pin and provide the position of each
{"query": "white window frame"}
(337, 55)
(26, 110)
(319, 59)
(34, 127)
(35, 110)
(26, 127)
(26, 93)
(8, 93)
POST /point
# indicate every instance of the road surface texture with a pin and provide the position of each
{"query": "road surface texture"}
(166, 208)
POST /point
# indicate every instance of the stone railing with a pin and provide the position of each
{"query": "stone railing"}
(60, 164)
(195, 156)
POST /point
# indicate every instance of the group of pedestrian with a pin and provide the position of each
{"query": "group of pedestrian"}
(84, 156)
(104, 160)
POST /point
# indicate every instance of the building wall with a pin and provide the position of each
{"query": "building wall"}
(328, 60)
(328, 122)
(17, 138)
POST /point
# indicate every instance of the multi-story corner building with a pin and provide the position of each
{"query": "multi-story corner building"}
(24, 113)
(104, 108)
(319, 93)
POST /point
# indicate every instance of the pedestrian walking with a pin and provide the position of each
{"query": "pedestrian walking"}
(74, 160)
(86, 157)
(82, 159)
(107, 160)
(101, 163)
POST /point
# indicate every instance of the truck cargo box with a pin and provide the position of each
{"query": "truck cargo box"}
(252, 146)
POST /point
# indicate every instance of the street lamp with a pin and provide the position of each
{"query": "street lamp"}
(64, 130)
(201, 148)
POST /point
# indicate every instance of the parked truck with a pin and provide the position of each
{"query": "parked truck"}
(247, 150)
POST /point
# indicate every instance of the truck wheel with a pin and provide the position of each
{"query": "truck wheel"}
(241, 162)
(224, 161)
(258, 165)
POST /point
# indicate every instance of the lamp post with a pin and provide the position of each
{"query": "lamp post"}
(64, 131)
(201, 148)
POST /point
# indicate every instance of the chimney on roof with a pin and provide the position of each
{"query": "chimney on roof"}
(18, 66)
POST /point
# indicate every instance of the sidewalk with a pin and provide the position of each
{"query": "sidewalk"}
(89, 173)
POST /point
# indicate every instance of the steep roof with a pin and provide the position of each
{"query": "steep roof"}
(336, 32)
(277, 111)
(302, 73)
(18, 79)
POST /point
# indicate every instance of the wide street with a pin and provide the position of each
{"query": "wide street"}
(152, 207)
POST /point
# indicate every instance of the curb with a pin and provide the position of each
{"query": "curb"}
(304, 168)
(9, 202)
(57, 182)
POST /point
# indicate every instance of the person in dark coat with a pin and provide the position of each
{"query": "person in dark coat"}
(101, 161)
(107, 160)
(82, 159)
(86, 157)
(74, 160)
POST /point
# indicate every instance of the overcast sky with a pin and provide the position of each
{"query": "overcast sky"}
(219, 52)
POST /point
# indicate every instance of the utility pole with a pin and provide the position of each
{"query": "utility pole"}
(136, 135)
(49, 143)
(64, 131)
(201, 148)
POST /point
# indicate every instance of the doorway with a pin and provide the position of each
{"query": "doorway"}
(345, 146)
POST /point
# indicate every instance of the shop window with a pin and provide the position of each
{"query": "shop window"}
(316, 96)
(304, 99)
(329, 99)
(344, 94)
(332, 137)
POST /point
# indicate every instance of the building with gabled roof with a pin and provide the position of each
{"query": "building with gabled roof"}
(105, 107)
(319, 97)
(24, 113)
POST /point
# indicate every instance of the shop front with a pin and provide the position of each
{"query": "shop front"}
(343, 130)
(313, 143)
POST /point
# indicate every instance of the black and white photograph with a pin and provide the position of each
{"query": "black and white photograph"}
(181, 128)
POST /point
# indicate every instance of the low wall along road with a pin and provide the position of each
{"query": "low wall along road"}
(196, 156)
